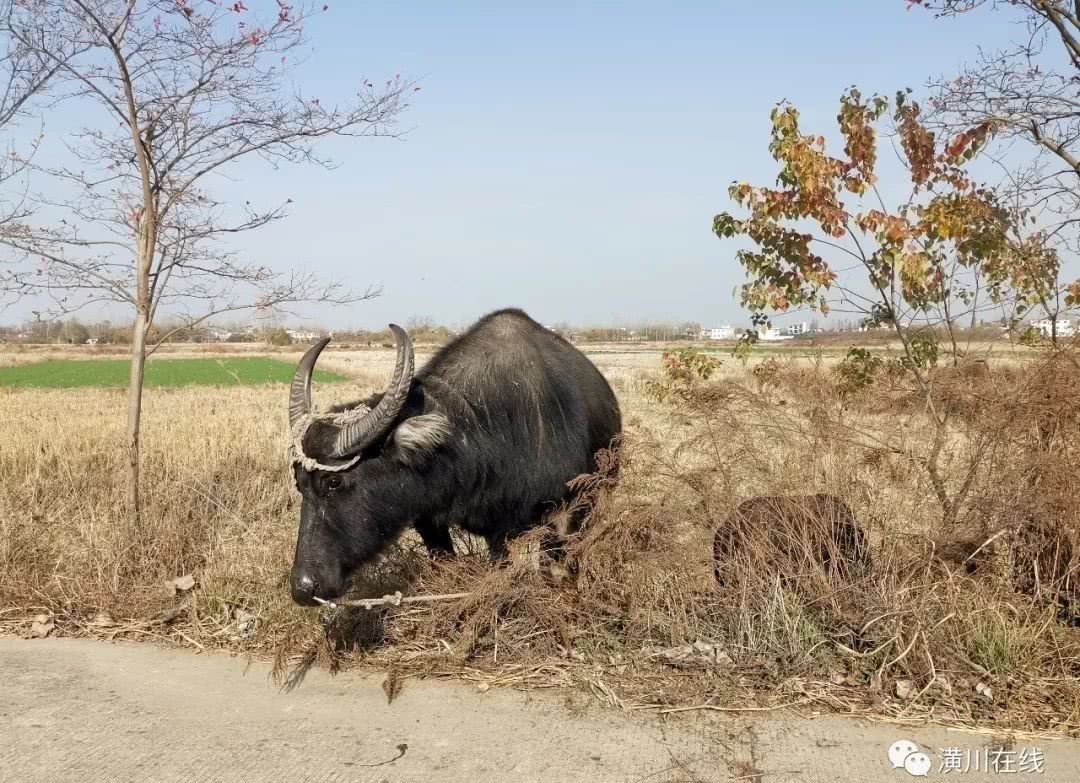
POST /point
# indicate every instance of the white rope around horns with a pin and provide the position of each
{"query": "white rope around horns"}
(299, 430)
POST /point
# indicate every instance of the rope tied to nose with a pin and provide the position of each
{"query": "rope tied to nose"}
(392, 600)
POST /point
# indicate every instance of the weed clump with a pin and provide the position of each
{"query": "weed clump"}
(966, 611)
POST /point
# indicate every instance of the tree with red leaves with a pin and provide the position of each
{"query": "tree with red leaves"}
(948, 252)
(825, 238)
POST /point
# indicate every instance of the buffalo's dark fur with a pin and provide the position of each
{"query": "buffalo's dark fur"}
(495, 425)
(788, 533)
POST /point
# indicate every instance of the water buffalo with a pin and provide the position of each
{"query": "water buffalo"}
(485, 436)
(787, 533)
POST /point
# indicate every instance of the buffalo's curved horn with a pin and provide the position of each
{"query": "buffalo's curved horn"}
(355, 435)
(300, 393)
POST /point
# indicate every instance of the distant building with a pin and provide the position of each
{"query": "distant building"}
(771, 335)
(800, 328)
(718, 333)
(1046, 327)
(302, 335)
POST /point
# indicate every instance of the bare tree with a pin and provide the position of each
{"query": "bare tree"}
(1027, 94)
(24, 74)
(176, 94)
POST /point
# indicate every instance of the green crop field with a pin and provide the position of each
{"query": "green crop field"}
(73, 373)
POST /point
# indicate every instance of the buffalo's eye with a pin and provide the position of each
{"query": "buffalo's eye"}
(333, 483)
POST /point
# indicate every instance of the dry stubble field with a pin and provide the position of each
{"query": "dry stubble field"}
(965, 617)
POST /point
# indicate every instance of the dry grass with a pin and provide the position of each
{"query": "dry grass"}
(953, 603)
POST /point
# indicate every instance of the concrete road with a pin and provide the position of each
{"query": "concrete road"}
(87, 711)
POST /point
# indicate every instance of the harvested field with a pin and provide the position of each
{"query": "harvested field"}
(967, 615)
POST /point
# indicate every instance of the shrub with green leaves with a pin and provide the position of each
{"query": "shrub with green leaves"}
(682, 369)
(859, 369)
(1031, 337)
(745, 346)
(924, 352)
(278, 336)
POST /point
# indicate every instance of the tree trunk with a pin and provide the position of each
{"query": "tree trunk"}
(134, 419)
(146, 239)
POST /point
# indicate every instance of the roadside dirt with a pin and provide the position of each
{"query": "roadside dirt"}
(77, 710)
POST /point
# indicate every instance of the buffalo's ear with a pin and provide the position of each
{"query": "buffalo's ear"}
(418, 436)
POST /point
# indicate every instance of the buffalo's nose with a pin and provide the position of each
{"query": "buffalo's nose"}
(303, 589)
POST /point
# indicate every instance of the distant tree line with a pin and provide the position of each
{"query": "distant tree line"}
(73, 331)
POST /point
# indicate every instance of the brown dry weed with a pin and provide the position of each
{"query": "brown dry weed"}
(968, 617)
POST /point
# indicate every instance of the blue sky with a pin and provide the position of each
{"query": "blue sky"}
(568, 158)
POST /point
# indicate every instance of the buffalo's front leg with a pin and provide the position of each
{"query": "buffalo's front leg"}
(436, 538)
(497, 545)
